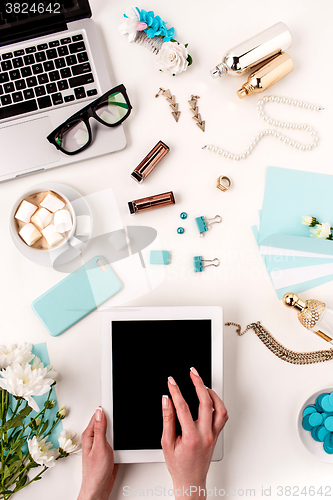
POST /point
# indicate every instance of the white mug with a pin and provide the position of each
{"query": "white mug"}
(57, 249)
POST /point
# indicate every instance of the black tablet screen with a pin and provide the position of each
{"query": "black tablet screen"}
(144, 354)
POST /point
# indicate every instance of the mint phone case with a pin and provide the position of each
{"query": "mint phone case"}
(76, 296)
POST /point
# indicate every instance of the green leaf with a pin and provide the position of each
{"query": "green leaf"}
(13, 469)
(189, 60)
(22, 481)
(32, 465)
(16, 421)
(6, 472)
(12, 459)
(14, 435)
(186, 45)
(44, 427)
(18, 445)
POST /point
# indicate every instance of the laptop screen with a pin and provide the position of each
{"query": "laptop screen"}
(25, 19)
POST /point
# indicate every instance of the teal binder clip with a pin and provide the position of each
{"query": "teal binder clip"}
(199, 266)
(203, 225)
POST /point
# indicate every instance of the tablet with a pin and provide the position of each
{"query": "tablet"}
(140, 348)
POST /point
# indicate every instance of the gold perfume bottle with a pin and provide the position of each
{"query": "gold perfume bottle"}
(267, 75)
(313, 314)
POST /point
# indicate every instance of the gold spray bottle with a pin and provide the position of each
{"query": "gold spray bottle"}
(313, 314)
(266, 75)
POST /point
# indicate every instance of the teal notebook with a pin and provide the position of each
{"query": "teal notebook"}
(76, 296)
(287, 262)
(290, 195)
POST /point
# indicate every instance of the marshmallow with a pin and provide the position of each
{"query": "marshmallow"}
(25, 211)
(83, 225)
(62, 221)
(30, 234)
(52, 203)
(42, 218)
(51, 235)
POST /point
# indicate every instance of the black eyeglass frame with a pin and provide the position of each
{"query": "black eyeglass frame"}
(85, 114)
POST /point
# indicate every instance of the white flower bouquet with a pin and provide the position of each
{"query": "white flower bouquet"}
(24, 439)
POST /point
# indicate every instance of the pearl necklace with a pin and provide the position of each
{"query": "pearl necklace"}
(273, 132)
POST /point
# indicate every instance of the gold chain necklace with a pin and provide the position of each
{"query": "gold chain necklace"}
(296, 358)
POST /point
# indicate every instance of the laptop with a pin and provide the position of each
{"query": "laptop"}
(51, 65)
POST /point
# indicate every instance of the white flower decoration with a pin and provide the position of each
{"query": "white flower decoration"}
(130, 23)
(42, 452)
(14, 353)
(67, 443)
(172, 58)
(28, 380)
(322, 231)
(307, 220)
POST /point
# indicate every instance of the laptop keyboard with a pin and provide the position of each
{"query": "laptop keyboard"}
(45, 76)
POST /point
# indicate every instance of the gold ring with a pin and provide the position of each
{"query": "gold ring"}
(223, 183)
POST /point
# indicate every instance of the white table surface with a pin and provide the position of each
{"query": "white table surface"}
(262, 393)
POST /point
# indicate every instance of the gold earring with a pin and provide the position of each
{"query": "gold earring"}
(172, 102)
(195, 111)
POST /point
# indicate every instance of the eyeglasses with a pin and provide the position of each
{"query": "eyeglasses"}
(74, 135)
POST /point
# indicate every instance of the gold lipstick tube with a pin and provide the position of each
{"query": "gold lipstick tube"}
(267, 75)
(150, 161)
(159, 200)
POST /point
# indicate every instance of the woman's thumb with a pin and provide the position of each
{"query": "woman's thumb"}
(100, 426)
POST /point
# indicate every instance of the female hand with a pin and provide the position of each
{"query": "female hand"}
(98, 469)
(188, 456)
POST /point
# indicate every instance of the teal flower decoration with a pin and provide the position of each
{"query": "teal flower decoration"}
(173, 56)
(155, 25)
(167, 34)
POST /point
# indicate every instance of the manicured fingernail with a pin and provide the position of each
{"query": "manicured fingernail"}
(172, 380)
(98, 414)
(193, 370)
(165, 402)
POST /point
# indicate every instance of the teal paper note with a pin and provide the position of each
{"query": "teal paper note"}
(159, 257)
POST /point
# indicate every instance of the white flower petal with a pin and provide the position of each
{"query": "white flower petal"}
(172, 58)
(307, 220)
(28, 380)
(66, 442)
(129, 24)
(42, 452)
(321, 231)
(32, 403)
(15, 354)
